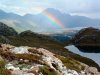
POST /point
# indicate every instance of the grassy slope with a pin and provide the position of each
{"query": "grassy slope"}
(51, 45)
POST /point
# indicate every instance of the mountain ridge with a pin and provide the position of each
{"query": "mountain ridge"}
(34, 22)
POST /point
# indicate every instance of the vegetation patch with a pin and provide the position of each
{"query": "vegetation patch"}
(46, 70)
(3, 70)
(71, 63)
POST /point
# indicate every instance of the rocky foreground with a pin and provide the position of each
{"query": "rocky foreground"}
(26, 60)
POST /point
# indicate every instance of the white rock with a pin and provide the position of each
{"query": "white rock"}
(11, 67)
(40, 73)
(26, 61)
(25, 69)
(19, 50)
(28, 74)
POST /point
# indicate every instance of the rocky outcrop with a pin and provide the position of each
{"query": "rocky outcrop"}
(88, 40)
(26, 60)
(87, 36)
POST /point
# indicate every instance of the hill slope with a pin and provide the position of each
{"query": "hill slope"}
(32, 39)
(7, 31)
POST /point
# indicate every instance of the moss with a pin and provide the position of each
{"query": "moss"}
(3, 70)
(2, 64)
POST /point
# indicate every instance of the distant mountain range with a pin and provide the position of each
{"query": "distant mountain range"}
(40, 23)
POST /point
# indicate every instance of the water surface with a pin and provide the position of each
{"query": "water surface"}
(93, 56)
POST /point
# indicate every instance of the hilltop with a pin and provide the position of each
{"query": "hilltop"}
(88, 39)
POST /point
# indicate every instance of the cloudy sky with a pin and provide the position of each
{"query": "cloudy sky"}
(90, 8)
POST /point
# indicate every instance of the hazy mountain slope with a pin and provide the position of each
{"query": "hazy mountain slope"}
(16, 21)
(72, 21)
(35, 22)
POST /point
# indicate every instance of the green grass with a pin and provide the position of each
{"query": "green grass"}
(71, 63)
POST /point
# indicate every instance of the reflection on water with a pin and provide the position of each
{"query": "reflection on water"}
(93, 56)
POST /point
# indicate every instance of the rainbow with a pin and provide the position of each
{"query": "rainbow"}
(53, 19)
